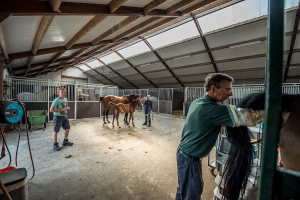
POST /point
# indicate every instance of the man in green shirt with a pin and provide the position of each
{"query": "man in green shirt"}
(200, 131)
(59, 108)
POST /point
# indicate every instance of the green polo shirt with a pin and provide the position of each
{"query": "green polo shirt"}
(202, 126)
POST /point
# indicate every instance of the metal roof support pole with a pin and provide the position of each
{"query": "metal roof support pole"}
(205, 43)
(162, 61)
(122, 77)
(272, 102)
(131, 65)
(296, 24)
(101, 75)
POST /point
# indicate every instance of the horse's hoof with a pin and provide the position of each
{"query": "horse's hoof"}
(119, 126)
(133, 125)
(108, 121)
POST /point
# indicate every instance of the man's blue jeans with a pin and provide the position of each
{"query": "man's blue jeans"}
(190, 182)
(147, 117)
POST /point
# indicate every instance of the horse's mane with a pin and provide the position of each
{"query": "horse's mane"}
(238, 165)
(256, 101)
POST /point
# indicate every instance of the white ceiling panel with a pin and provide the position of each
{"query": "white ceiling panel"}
(290, 20)
(295, 58)
(108, 23)
(167, 4)
(248, 50)
(248, 31)
(135, 77)
(19, 62)
(252, 74)
(63, 29)
(294, 72)
(153, 67)
(164, 81)
(194, 70)
(287, 42)
(249, 82)
(148, 25)
(119, 65)
(190, 78)
(186, 47)
(43, 58)
(135, 3)
(162, 74)
(129, 26)
(174, 85)
(68, 53)
(19, 32)
(194, 59)
(144, 58)
(128, 71)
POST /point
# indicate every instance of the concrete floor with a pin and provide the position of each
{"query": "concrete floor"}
(105, 163)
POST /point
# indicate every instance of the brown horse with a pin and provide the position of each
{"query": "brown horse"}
(127, 108)
(115, 99)
(289, 144)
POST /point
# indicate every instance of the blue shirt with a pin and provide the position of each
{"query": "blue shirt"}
(59, 104)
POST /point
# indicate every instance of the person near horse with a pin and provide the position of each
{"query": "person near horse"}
(148, 111)
(200, 131)
(59, 108)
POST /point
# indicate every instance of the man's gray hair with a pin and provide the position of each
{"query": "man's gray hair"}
(216, 79)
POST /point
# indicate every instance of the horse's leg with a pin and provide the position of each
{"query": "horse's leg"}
(118, 120)
(107, 116)
(129, 119)
(126, 118)
(104, 112)
(132, 119)
(113, 121)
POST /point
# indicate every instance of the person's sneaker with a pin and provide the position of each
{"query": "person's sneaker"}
(149, 125)
(144, 123)
(56, 146)
(67, 143)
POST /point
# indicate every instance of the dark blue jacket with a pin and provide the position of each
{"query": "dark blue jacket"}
(148, 105)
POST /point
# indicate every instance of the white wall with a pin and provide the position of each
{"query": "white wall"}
(75, 72)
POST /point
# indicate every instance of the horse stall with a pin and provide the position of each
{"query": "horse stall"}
(83, 98)
(238, 91)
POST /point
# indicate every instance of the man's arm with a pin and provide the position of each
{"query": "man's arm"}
(245, 117)
(53, 109)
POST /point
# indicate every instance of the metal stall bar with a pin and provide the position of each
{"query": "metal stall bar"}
(272, 102)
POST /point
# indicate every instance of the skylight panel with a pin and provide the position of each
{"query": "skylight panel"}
(83, 67)
(137, 48)
(179, 33)
(94, 64)
(110, 58)
(234, 14)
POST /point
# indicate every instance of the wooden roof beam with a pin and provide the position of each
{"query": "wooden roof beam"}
(152, 5)
(178, 6)
(3, 17)
(205, 44)
(114, 29)
(88, 27)
(43, 27)
(295, 29)
(138, 71)
(55, 4)
(3, 45)
(202, 4)
(115, 4)
(163, 62)
(33, 8)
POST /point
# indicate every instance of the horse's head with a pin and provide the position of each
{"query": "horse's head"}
(137, 100)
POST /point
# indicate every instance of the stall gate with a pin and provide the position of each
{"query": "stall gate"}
(239, 92)
(38, 94)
